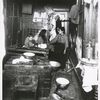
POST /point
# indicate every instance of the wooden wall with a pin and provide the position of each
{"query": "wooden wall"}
(12, 21)
(20, 24)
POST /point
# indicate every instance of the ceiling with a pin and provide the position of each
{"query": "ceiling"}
(62, 3)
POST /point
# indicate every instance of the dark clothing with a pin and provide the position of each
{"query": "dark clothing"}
(73, 29)
(59, 57)
(51, 56)
(59, 48)
(58, 54)
(73, 34)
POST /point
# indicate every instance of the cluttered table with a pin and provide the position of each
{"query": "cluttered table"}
(21, 63)
(24, 70)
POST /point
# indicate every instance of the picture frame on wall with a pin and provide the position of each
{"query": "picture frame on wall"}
(26, 8)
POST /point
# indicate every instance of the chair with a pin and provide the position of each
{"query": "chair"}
(72, 61)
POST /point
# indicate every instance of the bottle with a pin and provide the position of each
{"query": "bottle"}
(89, 51)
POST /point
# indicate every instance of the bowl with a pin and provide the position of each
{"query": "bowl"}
(87, 88)
(62, 82)
(28, 54)
(54, 64)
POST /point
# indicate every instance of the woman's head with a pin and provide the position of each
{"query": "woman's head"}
(30, 36)
(61, 30)
(57, 17)
(43, 35)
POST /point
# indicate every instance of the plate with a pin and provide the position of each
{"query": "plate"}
(29, 54)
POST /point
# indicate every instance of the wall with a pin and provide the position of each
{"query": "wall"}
(2, 44)
(90, 24)
(19, 24)
(12, 20)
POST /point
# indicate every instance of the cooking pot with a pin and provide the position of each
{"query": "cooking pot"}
(62, 82)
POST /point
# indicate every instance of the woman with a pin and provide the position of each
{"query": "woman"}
(29, 41)
(60, 43)
(41, 39)
(73, 23)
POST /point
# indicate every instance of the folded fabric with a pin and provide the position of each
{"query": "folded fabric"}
(20, 60)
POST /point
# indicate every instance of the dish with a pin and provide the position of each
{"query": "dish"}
(29, 54)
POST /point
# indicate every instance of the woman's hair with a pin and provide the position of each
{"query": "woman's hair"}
(30, 34)
(42, 34)
(62, 29)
